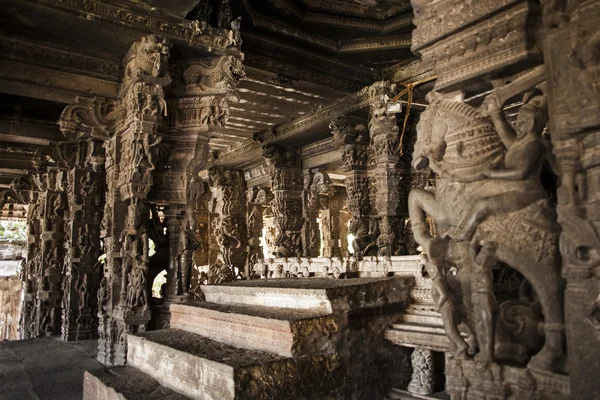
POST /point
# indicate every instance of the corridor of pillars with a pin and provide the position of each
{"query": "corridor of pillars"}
(121, 202)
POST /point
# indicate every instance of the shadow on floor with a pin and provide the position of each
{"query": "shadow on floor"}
(45, 368)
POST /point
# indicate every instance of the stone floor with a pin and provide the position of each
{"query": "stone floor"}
(45, 369)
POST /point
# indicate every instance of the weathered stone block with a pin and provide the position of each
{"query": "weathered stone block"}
(204, 369)
(319, 295)
(283, 332)
(124, 383)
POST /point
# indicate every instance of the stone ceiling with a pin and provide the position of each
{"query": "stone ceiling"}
(356, 41)
(300, 55)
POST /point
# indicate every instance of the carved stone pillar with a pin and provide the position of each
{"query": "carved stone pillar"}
(228, 194)
(421, 381)
(330, 222)
(213, 246)
(311, 238)
(176, 221)
(31, 272)
(385, 139)
(257, 198)
(134, 156)
(317, 190)
(201, 256)
(83, 272)
(200, 106)
(344, 219)
(352, 136)
(286, 186)
(53, 255)
(85, 124)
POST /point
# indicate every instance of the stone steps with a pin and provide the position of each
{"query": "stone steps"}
(125, 383)
(284, 332)
(317, 294)
(267, 339)
(205, 369)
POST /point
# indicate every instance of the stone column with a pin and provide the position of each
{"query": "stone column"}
(201, 256)
(317, 189)
(286, 186)
(228, 194)
(311, 238)
(133, 155)
(213, 246)
(421, 381)
(344, 218)
(256, 198)
(330, 221)
(572, 65)
(385, 140)
(53, 255)
(85, 124)
(352, 136)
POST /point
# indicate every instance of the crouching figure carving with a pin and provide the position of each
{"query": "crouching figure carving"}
(489, 208)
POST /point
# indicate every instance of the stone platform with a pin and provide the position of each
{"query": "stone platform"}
(277, 339)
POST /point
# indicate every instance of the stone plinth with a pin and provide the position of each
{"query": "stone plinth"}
(204, 369)
(411, 334)
(316, 294)
(287, 333)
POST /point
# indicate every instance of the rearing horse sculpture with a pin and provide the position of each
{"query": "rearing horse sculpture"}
(489, 206)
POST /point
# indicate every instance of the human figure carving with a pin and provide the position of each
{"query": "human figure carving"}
(443, 300)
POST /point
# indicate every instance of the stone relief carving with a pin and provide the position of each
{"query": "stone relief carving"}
(466, 150)
(421, 381)
(214, 74)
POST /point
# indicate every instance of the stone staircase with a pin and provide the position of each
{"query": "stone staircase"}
(267, 339)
